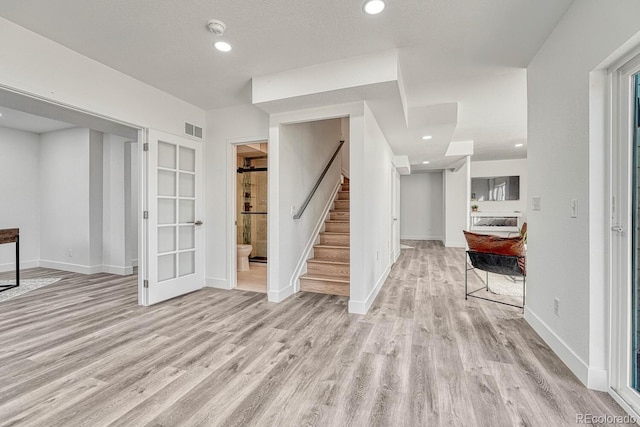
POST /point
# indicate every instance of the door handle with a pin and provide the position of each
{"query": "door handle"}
(618, 229)
(197, 223)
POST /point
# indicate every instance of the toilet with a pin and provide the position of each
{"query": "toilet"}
(243, 257)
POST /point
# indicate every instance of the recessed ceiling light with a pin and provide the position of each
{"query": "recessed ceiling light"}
(0, 114)
(222, 46)
(426, 137)
(426, 162)
(519, 145)
(373, 7)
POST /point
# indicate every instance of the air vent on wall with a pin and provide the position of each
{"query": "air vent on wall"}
(192, 130)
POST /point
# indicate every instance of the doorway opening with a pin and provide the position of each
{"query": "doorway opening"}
(72, 184)
(251, 216)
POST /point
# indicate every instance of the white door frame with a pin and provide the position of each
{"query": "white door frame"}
(232, 200)
(620, 260)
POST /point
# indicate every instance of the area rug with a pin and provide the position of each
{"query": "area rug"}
(503, 285)
(26, 285)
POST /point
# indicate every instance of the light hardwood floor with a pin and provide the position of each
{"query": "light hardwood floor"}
(254, 280)
(82, 353)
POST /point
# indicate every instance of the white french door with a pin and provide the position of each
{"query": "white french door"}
(625, 164)
(174, 227)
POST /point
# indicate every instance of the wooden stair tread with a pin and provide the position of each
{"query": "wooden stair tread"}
(326, 261)
(331, 246)
(337, 220)
(337, 233)
(326, 278)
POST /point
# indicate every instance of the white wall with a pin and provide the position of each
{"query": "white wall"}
(65, 200)
(566, 256)
(421, 206)
(516, 167)
(19, 196)
(457, 207)
(371, 213)
(132, 224)
(225, 127)
(117, 230)
(305, 149)
(96, 170)
(84, 83)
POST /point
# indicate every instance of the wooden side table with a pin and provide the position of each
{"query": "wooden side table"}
(12, 235)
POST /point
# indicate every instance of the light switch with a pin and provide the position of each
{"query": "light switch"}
(536, 203)
(574, 208)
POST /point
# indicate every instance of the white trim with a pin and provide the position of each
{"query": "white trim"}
(559, 347)
(134, 263)
(362, 307)
(74, 268)
(455, 244)
(281, 295)
(421, 238)
(306, 252)
(218, 283)
(23, 265)
(598, 379)
(620, 401)
(116, 269)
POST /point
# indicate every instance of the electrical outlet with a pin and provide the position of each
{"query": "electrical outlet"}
(70, 253)
(556, 306)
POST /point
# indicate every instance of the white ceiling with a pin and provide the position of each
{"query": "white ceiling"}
(20, 120)
(468, 52)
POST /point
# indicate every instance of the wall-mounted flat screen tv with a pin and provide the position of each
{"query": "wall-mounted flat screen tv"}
(495, 188)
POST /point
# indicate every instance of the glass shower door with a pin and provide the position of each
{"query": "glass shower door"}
(253, 226)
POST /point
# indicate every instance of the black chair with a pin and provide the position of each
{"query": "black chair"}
(509, 265)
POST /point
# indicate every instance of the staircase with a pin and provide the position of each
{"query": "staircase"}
(328, 272)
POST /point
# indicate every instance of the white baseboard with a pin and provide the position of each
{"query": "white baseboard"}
(362, 307)
(11, 266)
(455, 244)
(598, 379)
(74, 268)
(413, 237)
(116, 269)
(567, 355)
(281, 295)
(212, 282)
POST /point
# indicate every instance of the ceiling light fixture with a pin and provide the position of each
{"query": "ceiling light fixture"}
(373, 7)
(222, 46)
(519, 145)
(426, 137)
(426, 162)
